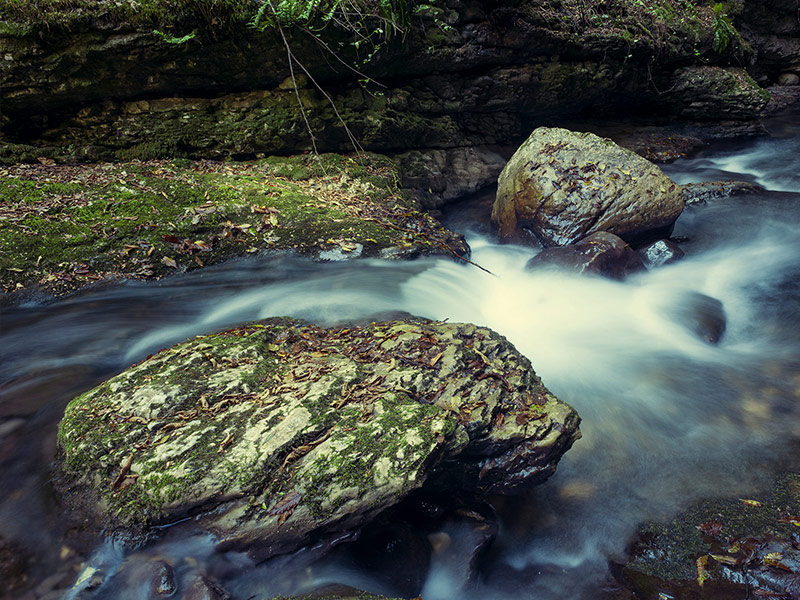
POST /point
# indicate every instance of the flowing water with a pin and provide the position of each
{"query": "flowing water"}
(667, 417)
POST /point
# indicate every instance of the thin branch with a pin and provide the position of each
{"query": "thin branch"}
(358, 148)
(337, 57)
(290, 58)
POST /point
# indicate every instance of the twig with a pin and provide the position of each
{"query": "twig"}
(337, 57)
(294, 81)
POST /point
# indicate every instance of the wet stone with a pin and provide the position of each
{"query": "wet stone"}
(562, 186)
(660, 253)
(600, 253)
(203, 588)
(722, 549)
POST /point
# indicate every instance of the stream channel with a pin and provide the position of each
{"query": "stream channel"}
(667, 417)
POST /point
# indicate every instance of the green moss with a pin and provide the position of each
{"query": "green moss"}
(64, 227)
(671, 549)
(69, 14)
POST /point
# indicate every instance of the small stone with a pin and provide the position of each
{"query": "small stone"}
(659, 253)
(788, 79)
(601, 253)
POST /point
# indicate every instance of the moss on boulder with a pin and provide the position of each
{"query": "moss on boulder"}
(63, 227)
(277, 432)
(714, 93)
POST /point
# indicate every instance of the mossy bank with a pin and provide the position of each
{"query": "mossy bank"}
(85, 81)
(63, 227)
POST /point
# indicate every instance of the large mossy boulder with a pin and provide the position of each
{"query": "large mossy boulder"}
(276, 432)
(561, 186)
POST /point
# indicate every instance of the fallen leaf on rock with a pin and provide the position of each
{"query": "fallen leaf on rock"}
(774, 559)
(726, 560)
(711, 528)
(169, 262)
(750, 502)
(701, 565)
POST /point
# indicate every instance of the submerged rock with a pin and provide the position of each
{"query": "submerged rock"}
(659, 253)
(600, 253)
(704, 191)
(722, 549)
(700, 314)
(276, 433)
(562, 186)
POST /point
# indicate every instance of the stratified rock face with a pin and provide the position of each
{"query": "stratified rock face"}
(562, 186)
(713, 93)
(277, 431)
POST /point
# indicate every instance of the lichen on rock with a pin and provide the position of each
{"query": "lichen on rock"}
(278, 431)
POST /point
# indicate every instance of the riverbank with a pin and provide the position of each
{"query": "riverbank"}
(63, 227)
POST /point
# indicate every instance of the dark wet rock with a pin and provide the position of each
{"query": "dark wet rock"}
(562, 186)
(772, 28)
(278, 433)
(659, 253)
(465, 540)
(204, 588)
(600, 253)
(700, 314)
(706, 191)
(722, 549)
(715, 93)
(439, 176)
(152, 577)
(337, 591)
(14, 564)
(396, 554)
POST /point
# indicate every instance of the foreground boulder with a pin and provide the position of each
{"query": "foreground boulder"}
(722, 549)
(275, 433)
(561, 186)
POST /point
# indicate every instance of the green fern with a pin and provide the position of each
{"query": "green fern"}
(724, 30)
(171, 39)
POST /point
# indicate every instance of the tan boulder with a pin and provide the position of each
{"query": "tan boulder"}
(561, 186)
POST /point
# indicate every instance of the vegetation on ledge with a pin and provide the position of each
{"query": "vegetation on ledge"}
(65, 226)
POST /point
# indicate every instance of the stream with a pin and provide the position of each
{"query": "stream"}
(667, 418)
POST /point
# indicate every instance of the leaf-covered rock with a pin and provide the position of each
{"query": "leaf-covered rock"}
(562, 186)
(726, 548)
(66, 226)
(279, 431)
